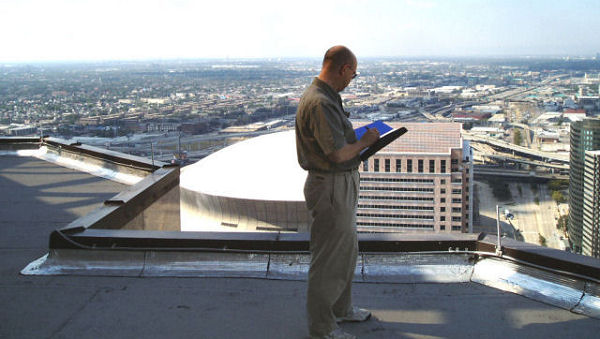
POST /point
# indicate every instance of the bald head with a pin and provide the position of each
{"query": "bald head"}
(339, 67)
(338, 56)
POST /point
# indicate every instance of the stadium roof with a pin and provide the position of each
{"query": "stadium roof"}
(261, 168)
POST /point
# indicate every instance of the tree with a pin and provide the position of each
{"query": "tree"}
(558, 184)
(542, 240)
(561, 224)
(517, 137)
(558, 197)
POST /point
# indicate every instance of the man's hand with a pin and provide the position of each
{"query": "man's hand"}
(370, 136)
(352, 150)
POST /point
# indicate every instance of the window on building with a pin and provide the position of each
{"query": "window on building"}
(420, 165)
(456, 209)
(443, 182)
(376, 165)
(442, 209)
(409, 165)
(457, 191)
(456, 200)
(442, 227)
(456, 228)
(442, 218)
(366, 165)
(442, 191)
(456, 218)
(387, 165)
(431, 166)
(454, 165)
(398, 165)
(442, 199)
(443, 166)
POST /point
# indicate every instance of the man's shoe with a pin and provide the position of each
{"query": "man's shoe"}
(339, 334)
(355, 315)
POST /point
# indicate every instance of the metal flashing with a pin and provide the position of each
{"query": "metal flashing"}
(530, 282)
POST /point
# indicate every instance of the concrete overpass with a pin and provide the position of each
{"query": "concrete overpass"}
(516, 149)
(508, 158)
(511, 173)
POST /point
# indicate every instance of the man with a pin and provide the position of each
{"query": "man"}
(327, 148)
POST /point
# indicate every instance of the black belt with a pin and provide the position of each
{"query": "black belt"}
(332, 172)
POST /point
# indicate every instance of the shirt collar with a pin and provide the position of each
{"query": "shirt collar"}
(325, 86)
(330, 91)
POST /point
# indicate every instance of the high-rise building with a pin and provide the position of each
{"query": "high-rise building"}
(585, 136)
(591, 204)
(421, 182)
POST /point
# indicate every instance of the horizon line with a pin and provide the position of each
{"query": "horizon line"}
(281, 58)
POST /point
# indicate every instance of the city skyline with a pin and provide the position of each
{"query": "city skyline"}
(69, 30)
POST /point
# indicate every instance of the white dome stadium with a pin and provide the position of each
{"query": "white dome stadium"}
(255, 184)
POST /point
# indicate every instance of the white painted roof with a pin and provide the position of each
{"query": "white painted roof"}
(261, 168)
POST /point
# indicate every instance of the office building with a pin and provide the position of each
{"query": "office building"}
(421, 182)
(585, 136)
(591, 204)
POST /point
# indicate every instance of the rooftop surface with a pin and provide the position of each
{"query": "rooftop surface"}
(436, 137)
(40, 197)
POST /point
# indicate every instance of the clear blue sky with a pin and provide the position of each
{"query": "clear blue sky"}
(33, 30)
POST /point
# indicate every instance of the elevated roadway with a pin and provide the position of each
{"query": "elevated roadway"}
(512, 173)
(516, 149)
(508, 158)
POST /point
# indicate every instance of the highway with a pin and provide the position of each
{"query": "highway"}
(511, 173)
(508, 158)
(516, 148)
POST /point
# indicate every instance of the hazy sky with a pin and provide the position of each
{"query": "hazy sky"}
(148, 29)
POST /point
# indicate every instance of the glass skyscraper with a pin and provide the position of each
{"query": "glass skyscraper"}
(585, 136)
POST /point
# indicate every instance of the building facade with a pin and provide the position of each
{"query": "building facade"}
(591, 204)
(585, 136)
(421, 182)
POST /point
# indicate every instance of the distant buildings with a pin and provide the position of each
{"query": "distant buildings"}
(585, 136)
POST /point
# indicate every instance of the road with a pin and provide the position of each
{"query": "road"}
(530, 219)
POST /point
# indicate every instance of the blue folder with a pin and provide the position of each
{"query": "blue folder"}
(386, 132)
(381, 127)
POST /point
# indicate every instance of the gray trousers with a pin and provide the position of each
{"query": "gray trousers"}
(332, 200)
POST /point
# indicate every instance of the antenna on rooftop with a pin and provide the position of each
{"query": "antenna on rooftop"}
(152, 152)
(499, 244)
